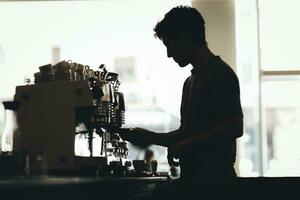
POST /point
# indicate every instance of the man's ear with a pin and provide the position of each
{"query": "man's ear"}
(185, 37)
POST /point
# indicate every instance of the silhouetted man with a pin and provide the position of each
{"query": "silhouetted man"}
(211, 114)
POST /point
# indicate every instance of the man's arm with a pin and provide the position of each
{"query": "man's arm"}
(228, 130)
(165, 139)
(143, 137)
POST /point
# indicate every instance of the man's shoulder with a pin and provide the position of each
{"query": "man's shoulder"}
(220, 68)
(220, 65)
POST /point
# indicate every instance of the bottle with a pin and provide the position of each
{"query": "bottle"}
(11, 153)
(10, 138)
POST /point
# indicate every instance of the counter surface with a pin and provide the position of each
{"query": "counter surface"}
(52, 187)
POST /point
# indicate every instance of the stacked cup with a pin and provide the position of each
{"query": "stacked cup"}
(63, 71)
(45, 74)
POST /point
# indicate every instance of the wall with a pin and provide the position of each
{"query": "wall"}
(220, 27)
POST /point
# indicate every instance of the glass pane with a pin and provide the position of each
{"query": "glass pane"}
(279, 34)
(248, 160)
(282, 124)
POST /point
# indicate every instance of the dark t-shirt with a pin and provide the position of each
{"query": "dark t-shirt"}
(210, 96)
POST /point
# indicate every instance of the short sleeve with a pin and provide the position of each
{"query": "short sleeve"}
(226, 94)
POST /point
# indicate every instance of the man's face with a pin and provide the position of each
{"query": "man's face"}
(180, 51)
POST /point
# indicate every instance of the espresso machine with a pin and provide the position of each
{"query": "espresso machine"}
(69, 99)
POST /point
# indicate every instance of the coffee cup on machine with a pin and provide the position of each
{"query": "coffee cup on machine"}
(61, 67)
(46, 69)
(140, 166)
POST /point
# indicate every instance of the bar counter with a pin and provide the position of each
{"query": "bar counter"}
(123, 188)
(73, 188)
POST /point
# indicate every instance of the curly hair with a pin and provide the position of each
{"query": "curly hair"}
(179, 21)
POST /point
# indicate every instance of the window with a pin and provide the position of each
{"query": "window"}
(267, 51)
(116, 33)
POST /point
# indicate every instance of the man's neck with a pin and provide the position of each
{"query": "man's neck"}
(201, 57)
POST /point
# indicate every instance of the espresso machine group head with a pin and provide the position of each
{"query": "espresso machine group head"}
(67, 99)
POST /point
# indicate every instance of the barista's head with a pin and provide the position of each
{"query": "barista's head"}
(182, 30)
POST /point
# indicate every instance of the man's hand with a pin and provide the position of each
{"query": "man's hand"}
(137, 136)
(174, 152)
